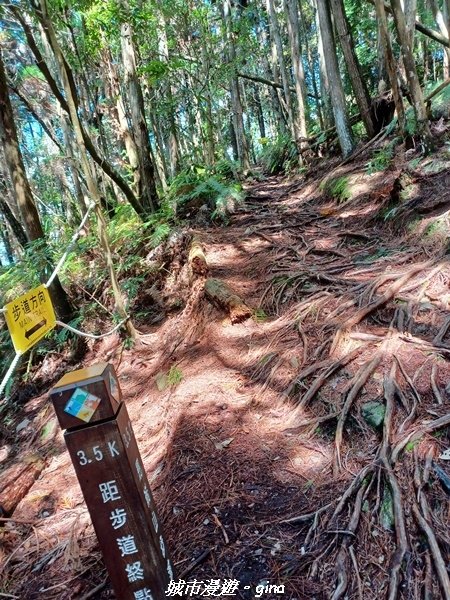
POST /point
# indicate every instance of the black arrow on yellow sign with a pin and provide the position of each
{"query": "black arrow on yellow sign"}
(33, 330)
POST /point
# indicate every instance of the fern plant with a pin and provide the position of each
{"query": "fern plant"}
(336, 188)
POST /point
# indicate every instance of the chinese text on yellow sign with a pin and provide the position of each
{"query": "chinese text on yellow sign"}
(30, 317)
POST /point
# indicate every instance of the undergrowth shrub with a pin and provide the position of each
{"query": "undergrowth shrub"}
(201, 186)
(279, 155)
(382, 157)
(440, 104)
(336, 188)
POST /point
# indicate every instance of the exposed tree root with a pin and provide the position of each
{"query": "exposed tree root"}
(358, 382)
(418, 433)
(315, 387)
(341, 561)
(439, 563)
(355, 306)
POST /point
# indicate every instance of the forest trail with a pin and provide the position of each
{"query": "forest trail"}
(255, 436)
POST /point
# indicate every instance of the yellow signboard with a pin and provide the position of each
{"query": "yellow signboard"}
(30, 317)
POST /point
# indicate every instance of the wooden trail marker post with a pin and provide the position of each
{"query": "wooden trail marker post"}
(104, 452)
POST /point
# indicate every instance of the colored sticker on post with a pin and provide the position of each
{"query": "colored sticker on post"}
(82, 405)
(113, 386)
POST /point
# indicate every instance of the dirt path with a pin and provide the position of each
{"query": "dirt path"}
(265, 420)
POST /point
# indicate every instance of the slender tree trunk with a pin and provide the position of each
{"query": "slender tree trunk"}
(14, 224)
(311, 66)
(147, 195)
(259, 112)
(293, 26)
(390, 63)
(270, 73)
(446, 14)
(425, 59)
(22, 190)
(124, 128)
(325, 95)
(275, 34)
(442, 23)
(411, 73)
(343, 127)
(90, 181)
(169, 93)
(353, 67)
(70, 151)
(4, 234)
(235, 93)
(160, 157)
(208, 111)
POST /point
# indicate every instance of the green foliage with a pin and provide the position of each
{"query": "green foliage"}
(154, 70)
(382, 158)
(440, 104)
(279, 155)
(437, 229)
(170, 379)
(198, 186)
(260, 315)
(336, 188)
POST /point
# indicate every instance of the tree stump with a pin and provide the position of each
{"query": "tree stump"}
(222, 296)
(197, 259)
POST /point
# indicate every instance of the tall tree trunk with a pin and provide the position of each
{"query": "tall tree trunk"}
(122, 120)
(235, 93)
(446, 14)
(208, 111)
(390, 63)
(382, 70)
(145, 177)
(90, 181)
(325, 95)
(311, 66)
(70, 151)
(275, 35)
(22, 190)
(442, 23)
(336, 88)
(15, 225)
(271, 73)
(259, 112)
(169, 93)
(4, 235)
(293, 26)
(411, 73)
(160, 157)
(353, 67)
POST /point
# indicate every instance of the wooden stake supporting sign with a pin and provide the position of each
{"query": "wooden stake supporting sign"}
(109, 468)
